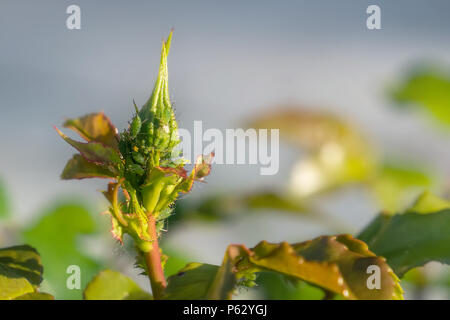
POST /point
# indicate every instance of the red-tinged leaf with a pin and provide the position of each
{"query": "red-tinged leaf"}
(95, 127)
(201, 169)
(112, 194)
(225, 280)
(202, 166)
(179, 171)
(79, 168)
(94, 151)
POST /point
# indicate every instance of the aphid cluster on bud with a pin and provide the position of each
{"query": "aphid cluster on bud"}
(153, 133)
(148, 175)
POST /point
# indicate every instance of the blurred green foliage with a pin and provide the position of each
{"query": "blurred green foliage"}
(397, 184)
(413, 238)
(223, 206)
(56, 234)
(339, 155)
(4, 201)
(428, 88)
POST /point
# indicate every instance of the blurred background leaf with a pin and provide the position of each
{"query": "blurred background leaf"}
(56, 234)
(397, 184)
(428, 88)
(337, 153)
(4, 201)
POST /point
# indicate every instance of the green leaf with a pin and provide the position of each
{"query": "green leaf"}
(79, 168)
(95, 127)
(338, 264)
(192, 282)
(36, 296)
(275, 286)
(95, 152)
(429, 89)
(414, 238)
(57, 234)
(394, 185)
(20, 271)
(112, 285)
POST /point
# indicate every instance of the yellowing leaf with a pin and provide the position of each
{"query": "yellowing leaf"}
(20, 271)
(339, 264)
(36, 296)
(12, 287)
(22, 260)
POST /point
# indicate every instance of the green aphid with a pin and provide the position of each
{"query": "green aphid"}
(136, 169)
(248, 283)
(136, 124)
(167, 115)
(148, 128)
(138, 157)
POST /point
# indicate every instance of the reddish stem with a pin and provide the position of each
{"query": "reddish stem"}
(153, 261)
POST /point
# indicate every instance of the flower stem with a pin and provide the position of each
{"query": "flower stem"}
(153, 261)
